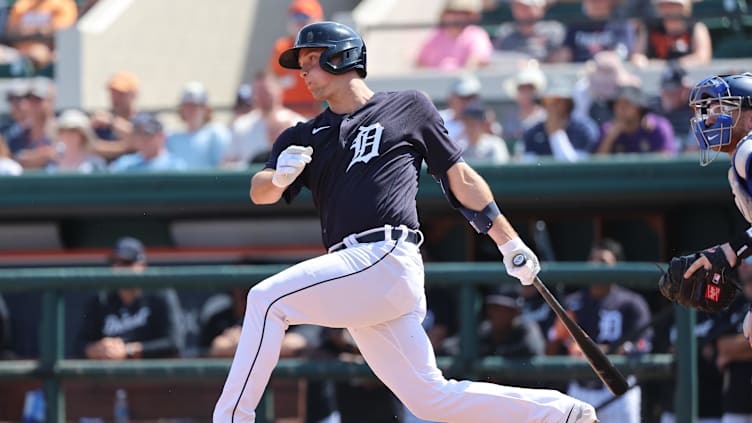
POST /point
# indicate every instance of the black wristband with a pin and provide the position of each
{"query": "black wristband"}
(742, 244)
(483, 220)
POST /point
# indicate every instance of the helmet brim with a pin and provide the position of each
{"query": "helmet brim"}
(289, 58)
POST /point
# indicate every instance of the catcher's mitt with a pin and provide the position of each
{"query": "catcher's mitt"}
(706, 290)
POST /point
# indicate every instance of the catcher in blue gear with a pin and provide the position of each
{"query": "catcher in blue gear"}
(721, 123)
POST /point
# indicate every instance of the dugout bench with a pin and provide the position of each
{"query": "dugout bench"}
(54, 371)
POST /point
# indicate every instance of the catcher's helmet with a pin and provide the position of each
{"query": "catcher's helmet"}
(718, 96)
(338, 39)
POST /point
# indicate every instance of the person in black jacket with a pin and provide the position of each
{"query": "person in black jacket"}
(6, 349)
(131, 323)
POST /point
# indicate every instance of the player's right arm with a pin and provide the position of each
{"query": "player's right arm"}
(263, 191)
(268, 185)
(286, 162)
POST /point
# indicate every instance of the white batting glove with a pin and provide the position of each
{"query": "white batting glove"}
(520, 261)
(290, 164)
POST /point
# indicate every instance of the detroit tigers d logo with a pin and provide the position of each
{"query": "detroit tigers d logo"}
(366, 144)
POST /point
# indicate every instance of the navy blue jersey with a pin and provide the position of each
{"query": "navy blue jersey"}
(607, 320)
(152, 319)
(585, 39)
(581, 130)
(737, 395)
(707, 328)
(366, 164)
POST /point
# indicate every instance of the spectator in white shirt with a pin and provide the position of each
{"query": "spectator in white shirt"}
(254, 133)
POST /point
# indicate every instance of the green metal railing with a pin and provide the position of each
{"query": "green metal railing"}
(615, 181)
(52, 368)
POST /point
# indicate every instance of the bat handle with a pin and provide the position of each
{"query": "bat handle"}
(519, 260)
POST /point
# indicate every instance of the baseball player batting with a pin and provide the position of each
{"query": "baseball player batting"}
(722, 122)
(361, 159)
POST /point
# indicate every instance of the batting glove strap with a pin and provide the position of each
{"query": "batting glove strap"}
(716, 257)
(742, 244)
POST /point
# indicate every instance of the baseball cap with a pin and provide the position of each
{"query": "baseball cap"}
(535, 3)
(470, 6)
(558, 89)
(309, 8)
(632, 94)
(129, 250)
(76, 119)
(673, 76)
(606, 72)
(18, 88)
(466, 85)
(530, 75)
(194, 92)
(475, 110)
(244, 96)
(147, 123)
(123, 81)
(39, 87)
(506, 297)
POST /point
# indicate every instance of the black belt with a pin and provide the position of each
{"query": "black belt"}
(412, 237)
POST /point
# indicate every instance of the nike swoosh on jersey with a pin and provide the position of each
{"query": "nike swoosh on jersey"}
(315, 131)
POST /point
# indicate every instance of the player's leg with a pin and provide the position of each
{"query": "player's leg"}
(362, 285)
(626, 409)
(401, 355)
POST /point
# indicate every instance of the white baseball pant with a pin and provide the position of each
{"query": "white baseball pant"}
(376, 291)
(626, 409)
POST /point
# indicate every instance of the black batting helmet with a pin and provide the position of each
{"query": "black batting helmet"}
(338, 39)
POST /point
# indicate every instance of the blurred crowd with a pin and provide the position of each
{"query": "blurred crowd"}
(605, 111)
(658, 29)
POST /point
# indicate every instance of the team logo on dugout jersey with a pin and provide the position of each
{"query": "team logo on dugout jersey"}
(366, 144)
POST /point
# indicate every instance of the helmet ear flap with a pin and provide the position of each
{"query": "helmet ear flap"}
(339, 62)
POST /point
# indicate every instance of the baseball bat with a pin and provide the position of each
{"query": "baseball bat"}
(603, 367)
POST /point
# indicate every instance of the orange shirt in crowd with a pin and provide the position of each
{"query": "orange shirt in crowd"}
(34, 16)
(295, 95)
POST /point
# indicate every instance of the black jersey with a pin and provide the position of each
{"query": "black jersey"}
(366, 164)
(5, 340)
(737, 386)
(152, 319)
(607, 320)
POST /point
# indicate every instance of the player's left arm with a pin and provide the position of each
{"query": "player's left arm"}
(699, 280)
(467, 191)
(477, 204)
(732, 348)
(472, 191)
(740, 246)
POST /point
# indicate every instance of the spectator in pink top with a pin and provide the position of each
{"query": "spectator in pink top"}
(457, 43)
